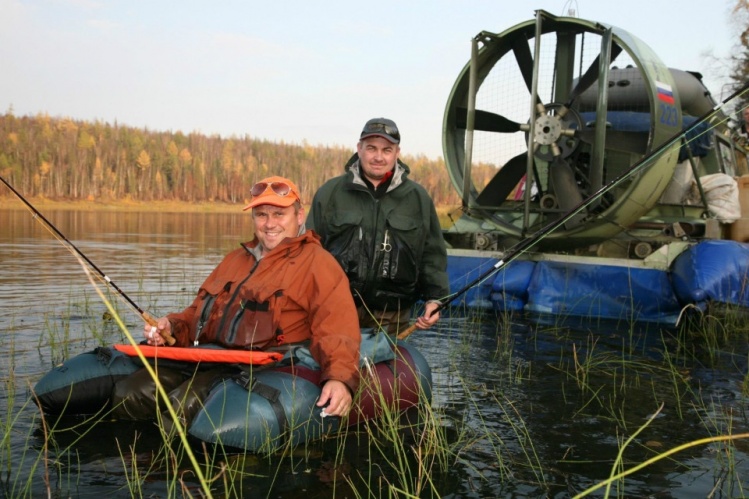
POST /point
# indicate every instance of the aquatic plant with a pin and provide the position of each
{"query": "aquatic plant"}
(413, 445)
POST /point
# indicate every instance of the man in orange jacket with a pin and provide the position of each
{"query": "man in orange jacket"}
(281, 289)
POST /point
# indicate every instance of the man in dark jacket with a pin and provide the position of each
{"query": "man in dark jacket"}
(383, 229)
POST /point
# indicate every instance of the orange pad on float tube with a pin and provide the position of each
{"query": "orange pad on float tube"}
(187, 354)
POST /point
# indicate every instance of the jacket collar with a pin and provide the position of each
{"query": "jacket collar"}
(400, 172)
(290, 243)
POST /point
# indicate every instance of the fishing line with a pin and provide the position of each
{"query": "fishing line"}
(523, 246)
(639, 165)
(72, 248)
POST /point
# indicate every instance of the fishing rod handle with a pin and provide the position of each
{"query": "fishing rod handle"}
(440, 305)
(406, 332)
(153, 322)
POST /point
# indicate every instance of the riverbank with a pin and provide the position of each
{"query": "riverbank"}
(44, 204)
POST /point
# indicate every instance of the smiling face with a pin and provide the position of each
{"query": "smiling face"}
(273, 224)
(377, 156)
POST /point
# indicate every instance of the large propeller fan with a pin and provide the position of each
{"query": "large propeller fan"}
(567, 149)
(553, 129)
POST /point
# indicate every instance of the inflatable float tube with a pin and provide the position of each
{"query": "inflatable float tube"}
(265, 410)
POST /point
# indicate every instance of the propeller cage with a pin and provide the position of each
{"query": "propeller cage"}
(555, 79)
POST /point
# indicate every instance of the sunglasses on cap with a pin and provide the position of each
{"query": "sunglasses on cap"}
(377, 127)
(279, 188)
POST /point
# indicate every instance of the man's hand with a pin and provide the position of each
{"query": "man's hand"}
(336, 395)
(430, 317)
(155, 334)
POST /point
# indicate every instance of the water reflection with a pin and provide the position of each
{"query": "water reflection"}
(533, 409)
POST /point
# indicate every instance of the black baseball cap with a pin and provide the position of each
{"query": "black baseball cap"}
(381, 127)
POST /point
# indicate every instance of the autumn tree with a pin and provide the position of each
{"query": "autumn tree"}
(739, 60)
(68, 159)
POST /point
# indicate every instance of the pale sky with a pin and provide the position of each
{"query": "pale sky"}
(295, 70)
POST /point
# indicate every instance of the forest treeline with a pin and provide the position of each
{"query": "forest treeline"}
(66, 159)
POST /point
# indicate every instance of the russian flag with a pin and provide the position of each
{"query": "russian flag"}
(665, 93)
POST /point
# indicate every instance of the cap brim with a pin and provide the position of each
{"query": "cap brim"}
(383, 135)
(273, 200)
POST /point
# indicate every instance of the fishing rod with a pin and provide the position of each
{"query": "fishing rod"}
(150, 319)
(524, 245)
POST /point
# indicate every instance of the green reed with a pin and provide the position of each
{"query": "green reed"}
(412, 446)
(408, 454)
(18, 472)
(704, 342)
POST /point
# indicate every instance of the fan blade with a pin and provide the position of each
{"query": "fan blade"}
(566, 189)
(591, 75)
(524, 59)
(486, 121)
(504, 181)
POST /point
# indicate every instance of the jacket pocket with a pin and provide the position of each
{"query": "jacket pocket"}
(252, 326)
(399, 265)
(347, 241)
(210, 293)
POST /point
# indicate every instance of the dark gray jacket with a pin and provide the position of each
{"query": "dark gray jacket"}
(390, 247)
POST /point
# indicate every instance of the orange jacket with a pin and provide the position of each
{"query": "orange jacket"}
(296, 292)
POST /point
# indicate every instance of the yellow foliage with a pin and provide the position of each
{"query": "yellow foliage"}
(123, 162)
(144, 160)
(47, 131)
(85, 141)
(185, 156)
(227, 155)
(44, 168)
(159, 181)
(98, 169)
(251, 162)
(67, 126)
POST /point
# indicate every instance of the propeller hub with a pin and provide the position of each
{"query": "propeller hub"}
(555, 129)
(548, 130)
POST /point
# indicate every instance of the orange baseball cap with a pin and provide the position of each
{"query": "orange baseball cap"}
(275, 191)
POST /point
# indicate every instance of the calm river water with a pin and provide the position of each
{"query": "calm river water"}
(528, 409)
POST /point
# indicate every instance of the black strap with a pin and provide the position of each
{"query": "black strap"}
(269, 393)
(272, 395)
(103, 355)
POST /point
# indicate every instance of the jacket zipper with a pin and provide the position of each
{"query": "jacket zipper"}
(373, 268)
(204, 313)
(386, 247)
(234, 297)
(235, 323)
